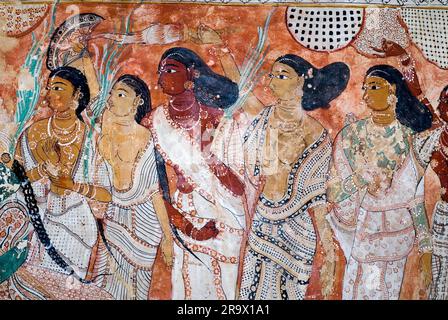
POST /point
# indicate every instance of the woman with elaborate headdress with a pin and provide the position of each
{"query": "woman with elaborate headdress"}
(291, 151)
(203, 196)
(377, 188)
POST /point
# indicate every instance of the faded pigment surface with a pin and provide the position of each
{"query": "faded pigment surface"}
(237, 27)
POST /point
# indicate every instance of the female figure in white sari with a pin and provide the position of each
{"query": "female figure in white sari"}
(292, 151)
(136, 220)
(65, 181)
(377, 189)
(204, 197)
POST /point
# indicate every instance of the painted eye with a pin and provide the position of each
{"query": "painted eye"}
(282, 77)
(56, 88)
(171, 71)
(121, 95)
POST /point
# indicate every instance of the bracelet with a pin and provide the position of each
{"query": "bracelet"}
(77, 186)
(225, 50)
(193, 233)
(92, 196)
(39, 172)
(405, 56)
(421, 97)
(83, 190)
(409, 71)
(89, 191)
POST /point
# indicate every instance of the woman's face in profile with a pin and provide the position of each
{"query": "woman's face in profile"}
(285, 82)
(376, 92)
(60, 94)
(122, 100)
(173, 76)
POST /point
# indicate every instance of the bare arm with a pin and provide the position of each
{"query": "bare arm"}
(411, 78)
(162, 215)
(253, 105)
(207, 35)
(326, 239)
(85, 65)
(92, 192)
(154, 34)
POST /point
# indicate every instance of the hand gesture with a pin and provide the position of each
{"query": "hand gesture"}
(52, 151)
(207, 35)
(167, 250)
(425, 269)
(98, 208)
(208, 231)
(327, 277)
(373, 180)
(76, 41)
(63, 182)
(389, 49)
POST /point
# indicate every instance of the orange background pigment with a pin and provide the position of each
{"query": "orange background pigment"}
(238, 26)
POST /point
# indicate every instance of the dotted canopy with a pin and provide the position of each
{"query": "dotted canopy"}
(324, 29)
(429, 30)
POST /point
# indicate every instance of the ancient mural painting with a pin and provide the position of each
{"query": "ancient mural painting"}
(223, 150)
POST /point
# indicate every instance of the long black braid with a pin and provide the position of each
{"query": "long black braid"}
(36, 221)
(163, 182)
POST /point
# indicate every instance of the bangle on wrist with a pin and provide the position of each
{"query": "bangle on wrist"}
(92, 192)
(39, 172)
(421, 96)
(76, 187)
(89, 191)
(403, 57)
(84, 189)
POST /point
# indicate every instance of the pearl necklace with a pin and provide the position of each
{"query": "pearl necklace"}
(65, 131)
(182, 110)
(51, 132)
